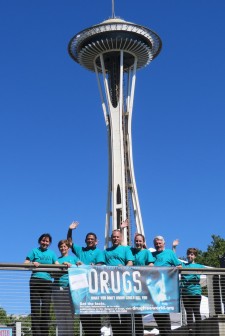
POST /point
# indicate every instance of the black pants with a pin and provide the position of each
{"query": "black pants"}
(64, 311)
(192, 306)
(91, 324)
(40, 300)
(121, 324)
(163, 322)
(139, 329)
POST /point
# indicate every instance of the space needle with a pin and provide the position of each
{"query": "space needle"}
(115, 49)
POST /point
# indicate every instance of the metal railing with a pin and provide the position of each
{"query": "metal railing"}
(15, 303)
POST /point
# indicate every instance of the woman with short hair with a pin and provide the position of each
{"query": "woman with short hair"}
(63, 306)
(41, 285)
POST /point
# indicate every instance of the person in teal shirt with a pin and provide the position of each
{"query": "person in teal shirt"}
(119, 255)
(41, 285)
(88, 255)
(167, 258)
(191, 290)
(142, 257)
(63, 306)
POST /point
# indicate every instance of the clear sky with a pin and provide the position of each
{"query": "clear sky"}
(53, 142)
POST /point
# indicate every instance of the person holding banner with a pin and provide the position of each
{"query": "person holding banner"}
(167, 258)
(41, 285)
(89, 255)
(119, 255)
(142, 257)
(63, 307)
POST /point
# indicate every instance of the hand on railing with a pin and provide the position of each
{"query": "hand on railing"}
(36, 264)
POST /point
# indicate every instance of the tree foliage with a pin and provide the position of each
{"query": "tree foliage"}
(215, 250)
(4, 319)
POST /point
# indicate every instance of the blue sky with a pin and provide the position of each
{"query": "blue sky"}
(53, 144)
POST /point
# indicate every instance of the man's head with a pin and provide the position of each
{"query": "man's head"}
(91, 240)
(159, 243)
(116, 237)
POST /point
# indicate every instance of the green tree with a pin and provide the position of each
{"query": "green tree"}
(4, 319)
(26, 325)
(214, 251)
(52, 329)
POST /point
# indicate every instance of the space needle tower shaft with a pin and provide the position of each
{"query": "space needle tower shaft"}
(115, 49)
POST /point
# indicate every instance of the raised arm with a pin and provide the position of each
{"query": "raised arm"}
(175, 244)
(72, 226)
(123, 225)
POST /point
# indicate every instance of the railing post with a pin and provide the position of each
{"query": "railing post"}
(221, 325)
(217, 294)
(18, 328)
(211, 298)
(214, 295)
(222, 286)
(133, 325)
(222, 281)
(81, 329)
(183, 314)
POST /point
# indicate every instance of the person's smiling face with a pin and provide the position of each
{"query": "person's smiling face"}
(139, 242)
(63, 248)
(191, 257)
(44, 243)
(116, 238)
(91, 241)
(159, 245)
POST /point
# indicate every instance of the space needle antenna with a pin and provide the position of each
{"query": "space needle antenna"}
(113, 9)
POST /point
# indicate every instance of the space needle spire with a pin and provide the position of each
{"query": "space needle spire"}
(113, 9)
(115, 49)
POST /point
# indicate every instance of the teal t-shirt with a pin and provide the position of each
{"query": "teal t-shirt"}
(88, 256)
(119, 255)
(166, 258)
(142, 257)
(190, 283)
(63, 281)
(42, 257)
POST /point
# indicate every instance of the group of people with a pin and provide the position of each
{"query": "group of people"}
(43, 289)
